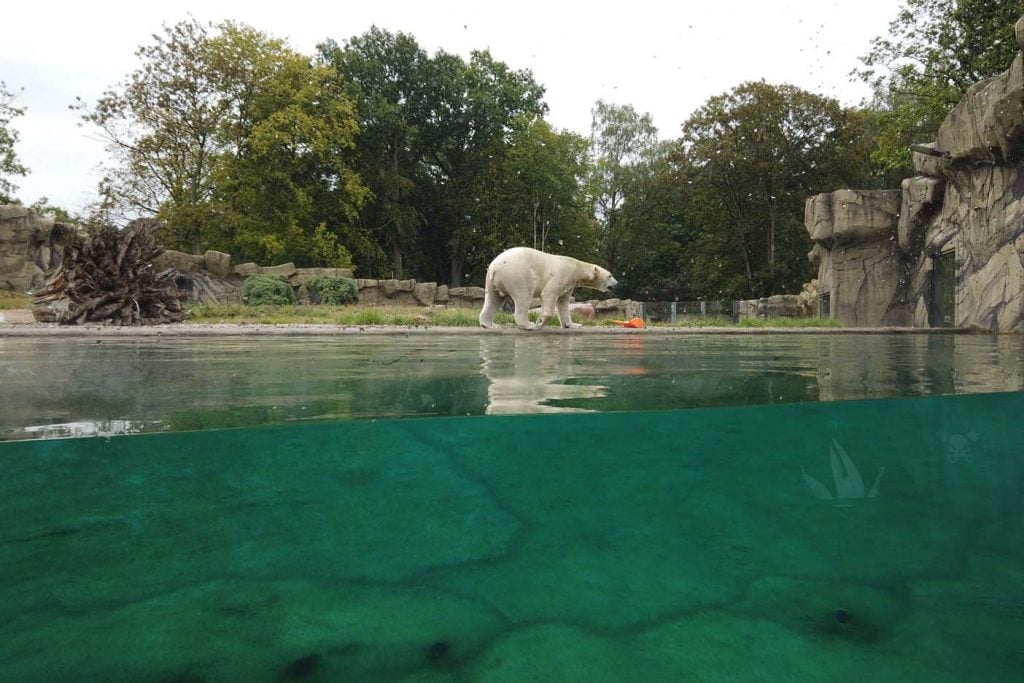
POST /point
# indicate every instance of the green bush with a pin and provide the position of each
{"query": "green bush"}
(260, 290)
(331, 290)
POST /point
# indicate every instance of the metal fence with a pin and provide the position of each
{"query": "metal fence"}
(672, 312)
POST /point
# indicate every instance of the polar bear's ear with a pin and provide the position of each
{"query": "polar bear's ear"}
(596, 275)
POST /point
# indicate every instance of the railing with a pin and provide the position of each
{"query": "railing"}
(672, 312)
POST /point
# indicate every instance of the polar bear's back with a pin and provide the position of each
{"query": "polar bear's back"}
(526, 268)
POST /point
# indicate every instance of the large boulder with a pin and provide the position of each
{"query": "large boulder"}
(424, 293)
(28, 247)
(285, 270)
(244, 270)
(180, 261)
(921, 198)
(987, 125)
(855, 235)
(217, 263)
(779, 306)
(466, 297)
(931, 163)
(848, 217)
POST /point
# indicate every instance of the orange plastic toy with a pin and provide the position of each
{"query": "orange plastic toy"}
(635, 322)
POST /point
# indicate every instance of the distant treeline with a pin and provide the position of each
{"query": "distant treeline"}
(376, 154)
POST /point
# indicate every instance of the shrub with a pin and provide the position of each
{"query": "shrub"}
(260, 290)
(331, 290)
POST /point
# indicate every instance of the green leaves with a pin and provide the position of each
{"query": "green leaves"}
(9, 164)
(239, 143)
(935, 50)
(751, 157)
(435, 135)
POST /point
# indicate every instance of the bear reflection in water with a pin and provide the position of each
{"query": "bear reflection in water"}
(529, 374)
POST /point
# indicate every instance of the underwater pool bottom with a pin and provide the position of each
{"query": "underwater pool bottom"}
(824, 541)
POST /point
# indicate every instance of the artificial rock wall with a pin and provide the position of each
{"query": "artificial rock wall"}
(28, 247)
(876, 251)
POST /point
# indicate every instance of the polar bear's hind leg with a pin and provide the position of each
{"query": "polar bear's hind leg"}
(522, 313)
(492, 302)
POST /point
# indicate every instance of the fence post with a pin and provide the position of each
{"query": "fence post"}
(673, 312)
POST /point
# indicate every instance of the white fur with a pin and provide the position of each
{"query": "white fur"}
(523, 273)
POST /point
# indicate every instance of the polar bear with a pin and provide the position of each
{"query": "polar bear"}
(523, 273)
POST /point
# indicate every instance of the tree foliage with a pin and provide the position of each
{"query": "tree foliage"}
(9, 164)
(934, 51)
(533, 195)
(376, 154)
(385, 74)
(434, 134)
(478, 103)
(750, 157)
(236, 141)
(635, 201)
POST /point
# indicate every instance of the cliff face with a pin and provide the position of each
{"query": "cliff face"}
(854, 234)
(27, 248)
(952, 253)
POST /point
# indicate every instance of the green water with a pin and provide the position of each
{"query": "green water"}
(878, 540)
(62, 386)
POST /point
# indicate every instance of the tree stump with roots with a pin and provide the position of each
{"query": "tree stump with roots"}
(108, 277)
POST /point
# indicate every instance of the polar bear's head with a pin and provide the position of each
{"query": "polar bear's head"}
(600, 279)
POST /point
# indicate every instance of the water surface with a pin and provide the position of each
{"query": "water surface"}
(79, 386)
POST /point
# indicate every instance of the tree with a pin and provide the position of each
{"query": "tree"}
(935, 50)
(476, 106)
(236, 141)
(545, 171)
(161, 128)
(9, 164)
(287, 170)
(651, 235)
(751, 157)
(634, 197)
(533, 195)
(386, 75)
(624, 145)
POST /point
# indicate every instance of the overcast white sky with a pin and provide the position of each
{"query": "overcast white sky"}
(664, 58)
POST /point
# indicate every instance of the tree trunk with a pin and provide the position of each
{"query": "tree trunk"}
(771, 225)
(396, 260)
(537, 206)
(456, 271)
(737, 214)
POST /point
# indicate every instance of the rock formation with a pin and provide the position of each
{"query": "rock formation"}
(947, 249)
(28, 248)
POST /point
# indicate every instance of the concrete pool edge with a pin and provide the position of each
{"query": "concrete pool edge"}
(261, 330)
